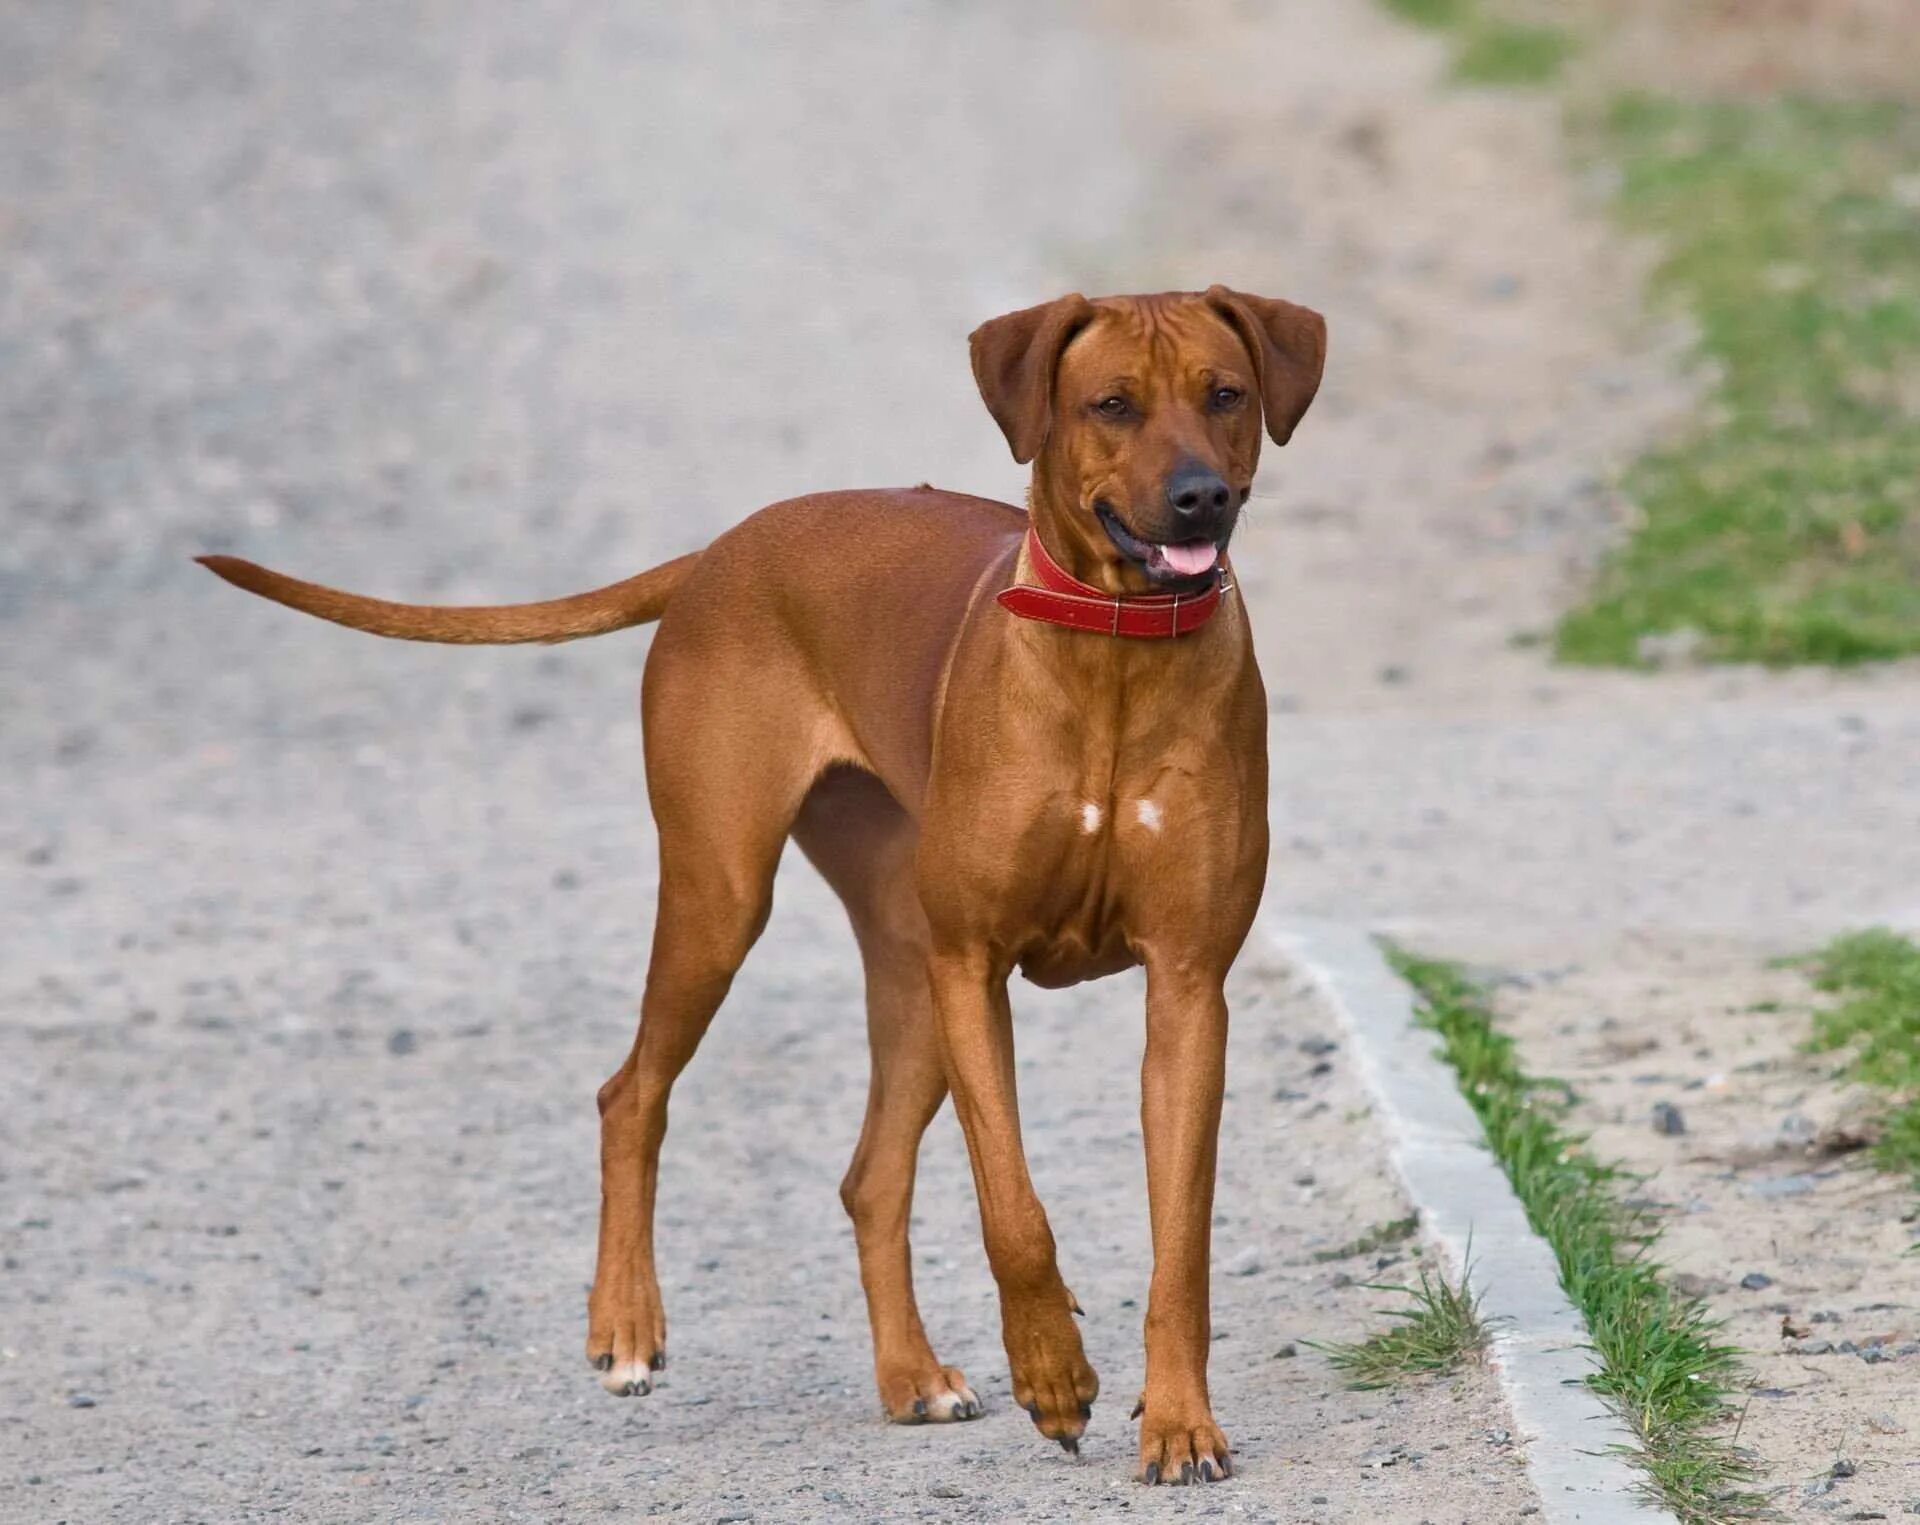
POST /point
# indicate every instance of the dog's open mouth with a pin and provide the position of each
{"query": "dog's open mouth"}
(1169, 561)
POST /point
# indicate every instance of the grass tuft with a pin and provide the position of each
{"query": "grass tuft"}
(1661, 1362)
(1438, 14)
(1509, 53)
(1788, 529)
(1440, 1330)
(1878, 1023)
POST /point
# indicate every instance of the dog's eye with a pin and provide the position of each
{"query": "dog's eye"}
(1113, 407)
(1226, 397)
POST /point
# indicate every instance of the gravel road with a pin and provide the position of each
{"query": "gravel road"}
(316, 947)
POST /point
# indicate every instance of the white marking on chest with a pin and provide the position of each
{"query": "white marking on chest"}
(1148, 813)
(1089, 818)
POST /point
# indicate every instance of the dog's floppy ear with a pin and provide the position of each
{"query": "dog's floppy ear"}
(1013, 363)
(1289, 349)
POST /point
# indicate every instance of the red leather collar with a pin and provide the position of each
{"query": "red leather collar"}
(1065, 600)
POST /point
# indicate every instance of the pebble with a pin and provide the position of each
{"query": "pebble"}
(1783, 1186)
(402, 1041)
(1668, 1119)
(1286, 1352)
(946, 1491)
(1756, 1281)
(1246, 1263)
(80, 1400)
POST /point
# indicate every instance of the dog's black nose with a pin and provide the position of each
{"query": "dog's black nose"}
(1197, 492)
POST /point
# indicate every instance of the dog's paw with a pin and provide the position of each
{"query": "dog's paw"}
(938, 1395)
(628, 1351)
(629, 1378)
(1051, 1378)
(1180, 1448)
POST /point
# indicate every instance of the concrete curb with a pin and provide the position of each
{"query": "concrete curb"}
(1438, 1151)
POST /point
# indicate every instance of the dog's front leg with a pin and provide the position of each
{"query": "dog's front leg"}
(1051, 1378)
(1181, 1081)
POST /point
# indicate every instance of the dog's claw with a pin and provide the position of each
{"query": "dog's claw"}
(1086, 1411)
(658, 1361)
(1078, 1310)
(1139, 1408)
(1153, 1473)
(1070, 1444)
(920, 1408)
(1206, 1469)
(603, 1363)
(1186, 1473)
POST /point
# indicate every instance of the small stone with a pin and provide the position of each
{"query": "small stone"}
(1668, 1119)
(1756, 1281)
(1886, 1424)
(1286, 1352)
(80, 1400)
(1843, 1468)
(946, 1491)
(1317, 1045)
(1814, 1348)
(1783, 1186)
(1246, 1263)
(402, 1042)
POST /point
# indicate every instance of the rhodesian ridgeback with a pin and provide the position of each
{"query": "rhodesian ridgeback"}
(1007, 740)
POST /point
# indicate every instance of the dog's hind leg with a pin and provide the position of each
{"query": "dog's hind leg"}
(725, 782)
(863, 844)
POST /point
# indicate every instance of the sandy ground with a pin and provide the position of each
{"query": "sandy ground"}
(1795, 1242)
(317, 947)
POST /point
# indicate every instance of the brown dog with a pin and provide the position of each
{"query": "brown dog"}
(1005, 740)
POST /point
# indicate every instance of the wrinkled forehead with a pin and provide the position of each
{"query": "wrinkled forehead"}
(1149, 339)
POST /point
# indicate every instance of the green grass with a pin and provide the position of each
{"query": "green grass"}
(1438, 14)
(1376, 1238)
(1509, 53)
(1491, 50)
(1877, 1023)
(1661, 1362)
(1787, 529)
(1440, 1330)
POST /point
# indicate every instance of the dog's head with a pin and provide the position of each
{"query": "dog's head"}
(1142, 417)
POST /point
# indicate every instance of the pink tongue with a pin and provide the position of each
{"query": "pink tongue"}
(1192, 558)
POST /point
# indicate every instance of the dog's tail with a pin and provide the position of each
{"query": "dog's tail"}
(636, 601)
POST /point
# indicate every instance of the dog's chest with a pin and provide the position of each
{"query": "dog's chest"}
(1079, 889)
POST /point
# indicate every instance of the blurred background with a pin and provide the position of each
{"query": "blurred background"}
(316, 947)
